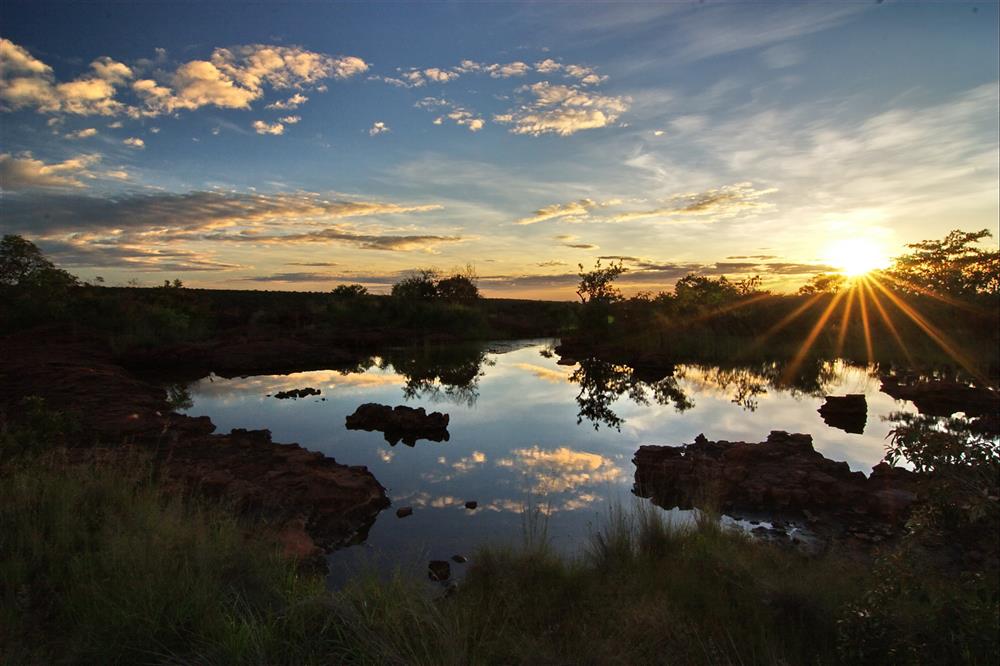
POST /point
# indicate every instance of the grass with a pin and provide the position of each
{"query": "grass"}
(99, 565)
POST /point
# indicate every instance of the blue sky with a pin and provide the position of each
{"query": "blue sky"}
(299, 145)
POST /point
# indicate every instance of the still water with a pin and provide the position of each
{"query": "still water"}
(526, 431)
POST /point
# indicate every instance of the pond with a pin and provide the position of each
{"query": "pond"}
(527, 432)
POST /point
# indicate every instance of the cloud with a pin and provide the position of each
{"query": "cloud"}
(499, 71)
(26, 172)
(457, 114)
(168, 214)
(377, 128)
(290, 120)
(571, 209)
(562, 469)
(293, 102)
(564, 110)
(722, 202)
(133, 257)
(81, 134)
(582, 246)
(26, 82)
(274, 129)
(134, 142)
(291, 277)
(234, 77)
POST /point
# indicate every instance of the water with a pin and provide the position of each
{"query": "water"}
(526, 432)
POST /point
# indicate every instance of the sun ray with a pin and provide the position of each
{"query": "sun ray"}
(785, 321)
(969, 307)
(932, 331)
(807, 344)
(845, 320)
(887, 320)
(866, 326)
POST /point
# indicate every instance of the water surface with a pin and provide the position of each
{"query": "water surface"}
(526, 431)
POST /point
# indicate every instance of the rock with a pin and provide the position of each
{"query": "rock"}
(783, 474)
(439, 570)
(300, 493)
(471, 504)
(939, 397)
(401, 423)
(460, 559)
(849, 412)
(296, 393)
(404, 511)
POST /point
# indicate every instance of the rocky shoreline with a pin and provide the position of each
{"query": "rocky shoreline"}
(313, 503)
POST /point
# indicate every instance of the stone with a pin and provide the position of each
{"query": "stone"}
(439, 570)
(849, 412)
(404, 511)
(296, 393)
(400, 423)
(471, 504)
(459, 559)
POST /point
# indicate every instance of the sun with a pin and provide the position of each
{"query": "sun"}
(856, 256)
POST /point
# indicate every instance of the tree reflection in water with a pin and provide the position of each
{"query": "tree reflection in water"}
(602, 383)
(439, 373)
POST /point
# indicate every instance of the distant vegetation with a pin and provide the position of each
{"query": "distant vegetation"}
(940, 292)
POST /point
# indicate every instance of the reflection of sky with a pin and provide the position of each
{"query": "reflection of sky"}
(520, 443)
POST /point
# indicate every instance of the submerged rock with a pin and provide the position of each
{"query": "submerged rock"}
(296, 393)
(471, 504)
(849, 412)
(459, 559)
(939, 397)
(400, 423)
(782, 474)
(404, 511)
(439, 570)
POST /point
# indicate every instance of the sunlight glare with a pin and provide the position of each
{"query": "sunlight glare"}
(856, 256)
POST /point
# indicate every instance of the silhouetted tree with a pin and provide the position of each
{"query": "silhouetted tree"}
(597, 286)
(22, 264)
(418, 287)
(824, 283)
(954, 265)
(347, 292)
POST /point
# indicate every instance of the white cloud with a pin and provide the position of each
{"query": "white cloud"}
(82, 133)
(498, 71)
(293, 102)
(26, 172)
(290, 120)
(26, 82)
(571, 209)
(378, 127)
(564, 110)
(134, 142)
(274, 129)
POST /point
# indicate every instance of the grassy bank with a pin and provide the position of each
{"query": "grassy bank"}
(99, 565)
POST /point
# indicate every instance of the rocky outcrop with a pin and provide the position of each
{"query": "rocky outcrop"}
(400, 423)
(312, 501)
(296, 393)
(849, 412)
(939, 397)
(783, 474)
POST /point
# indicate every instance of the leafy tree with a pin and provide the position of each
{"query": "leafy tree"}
(22, 264)
(954, 265)
(597, 286)
(348, 292)
(824, 283)
(693, 291)
(458, 288)
(418, 287)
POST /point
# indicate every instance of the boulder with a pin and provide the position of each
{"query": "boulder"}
(783, 474)
(439, 570)
(848, 412)
(400, 423)
(940, 397)
(296, 393)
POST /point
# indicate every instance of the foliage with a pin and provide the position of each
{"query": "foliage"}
(349, 292)
(36, 428)
(824, 283)
(954, 265)
(597, 285)
(417, 287)
(23, 265)
(458, 289)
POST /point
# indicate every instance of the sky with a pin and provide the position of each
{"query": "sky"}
(301, 145)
